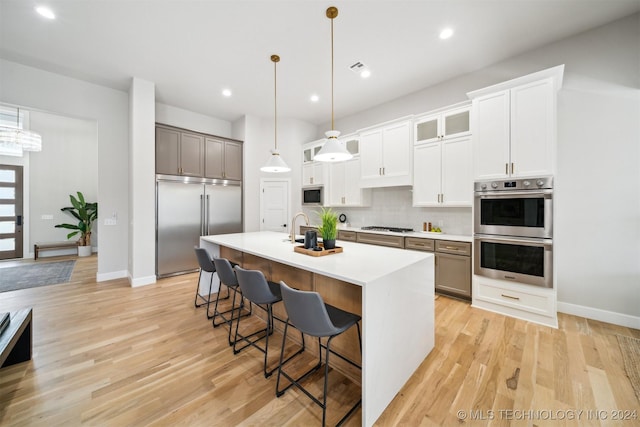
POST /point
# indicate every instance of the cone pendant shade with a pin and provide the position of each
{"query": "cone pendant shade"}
(275, 163)
(332, 150)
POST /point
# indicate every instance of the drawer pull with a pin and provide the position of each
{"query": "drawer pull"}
(510, 277)
(510, 297)
(452, 248)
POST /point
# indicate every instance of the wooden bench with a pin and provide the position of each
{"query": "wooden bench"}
(16, 340)
(46, 246)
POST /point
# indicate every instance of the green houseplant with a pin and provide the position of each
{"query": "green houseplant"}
(328, 228)
(86, 213)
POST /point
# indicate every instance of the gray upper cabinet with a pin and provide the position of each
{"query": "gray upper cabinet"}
(223, 159)
(191, 158)
(167, 151)
(186, 153)
(179, 153)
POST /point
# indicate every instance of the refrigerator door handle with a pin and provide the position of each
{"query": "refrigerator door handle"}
(206, 216)
(201, 215)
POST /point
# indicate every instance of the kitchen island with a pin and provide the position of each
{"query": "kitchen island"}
(392, 289)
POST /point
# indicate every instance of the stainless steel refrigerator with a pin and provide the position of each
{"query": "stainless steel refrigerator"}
(187, 208)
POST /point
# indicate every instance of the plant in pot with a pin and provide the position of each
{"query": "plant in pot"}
(328, 228)
(86, 213)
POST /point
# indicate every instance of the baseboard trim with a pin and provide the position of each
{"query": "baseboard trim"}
(102, 277)
(599, 314)
(141, 281)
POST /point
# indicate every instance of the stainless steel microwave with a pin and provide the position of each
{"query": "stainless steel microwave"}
(312, 196)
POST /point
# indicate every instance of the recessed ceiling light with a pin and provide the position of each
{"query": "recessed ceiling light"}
(46, 12)
(314, 98)
(365, 73)
(226, 92)
(446, 33)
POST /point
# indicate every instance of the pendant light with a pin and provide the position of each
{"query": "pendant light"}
(332, 150)
(275, 162)
(21, 139)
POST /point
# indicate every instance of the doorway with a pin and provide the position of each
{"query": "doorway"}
(275, 202)
(11, 212)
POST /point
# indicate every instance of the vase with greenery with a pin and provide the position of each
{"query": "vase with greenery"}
(328, 228)
(86, 213)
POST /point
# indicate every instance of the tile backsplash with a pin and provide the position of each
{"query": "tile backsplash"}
(392, 206)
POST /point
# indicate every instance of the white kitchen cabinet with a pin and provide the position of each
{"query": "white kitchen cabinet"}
(514, 126)
(443, 173)
(440, 125)
(313, 173)
(344, 185)
(351, 143)
(386, 155)
(310, 149)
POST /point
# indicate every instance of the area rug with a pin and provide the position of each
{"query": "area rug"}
(630, 348)
(34, 275)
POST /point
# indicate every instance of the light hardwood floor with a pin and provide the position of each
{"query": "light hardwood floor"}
(111, 355)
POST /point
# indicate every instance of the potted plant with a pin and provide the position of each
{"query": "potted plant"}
(328, 228)
(86, 213)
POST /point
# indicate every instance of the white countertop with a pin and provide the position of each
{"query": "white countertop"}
(419, 234)
(358, 264)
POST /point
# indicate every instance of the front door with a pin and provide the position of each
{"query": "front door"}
(274, 204)
(11, 215)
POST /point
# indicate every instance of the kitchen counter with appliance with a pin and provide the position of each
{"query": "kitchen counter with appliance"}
(393, 288)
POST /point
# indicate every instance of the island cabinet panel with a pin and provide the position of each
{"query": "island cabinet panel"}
(232, 255)
(252, 262)
(348, 297)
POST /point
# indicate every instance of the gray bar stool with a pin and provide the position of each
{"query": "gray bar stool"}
(263, 294)
(228, 278)
(308, 313)
(206, 264)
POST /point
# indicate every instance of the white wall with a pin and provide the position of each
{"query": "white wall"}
(597, 203)
(185, 119)
(41, 90)
(68, 163)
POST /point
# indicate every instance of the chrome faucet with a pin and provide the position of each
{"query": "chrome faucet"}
(293, 224)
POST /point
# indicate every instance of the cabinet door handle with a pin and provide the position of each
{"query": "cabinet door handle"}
(510, 297)
(506, 168)
(512, 167)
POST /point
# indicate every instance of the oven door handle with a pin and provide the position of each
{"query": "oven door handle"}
(510, 194)
(509, 239)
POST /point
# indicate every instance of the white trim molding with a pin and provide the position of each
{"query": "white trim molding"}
(599, 314)
(141, 281)
(102, 277)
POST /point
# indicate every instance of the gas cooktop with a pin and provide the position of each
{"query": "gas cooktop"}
(382, 228)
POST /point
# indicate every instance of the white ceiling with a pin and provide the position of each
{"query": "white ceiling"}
(193, 49)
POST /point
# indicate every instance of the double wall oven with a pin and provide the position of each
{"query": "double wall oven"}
(513, 230)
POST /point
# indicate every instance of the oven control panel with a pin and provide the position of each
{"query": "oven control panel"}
(545, 182)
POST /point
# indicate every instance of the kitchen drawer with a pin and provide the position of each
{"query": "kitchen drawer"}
(381, 239)
(348, 236)
(455, 248)
(532, 301)
(419, 244)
